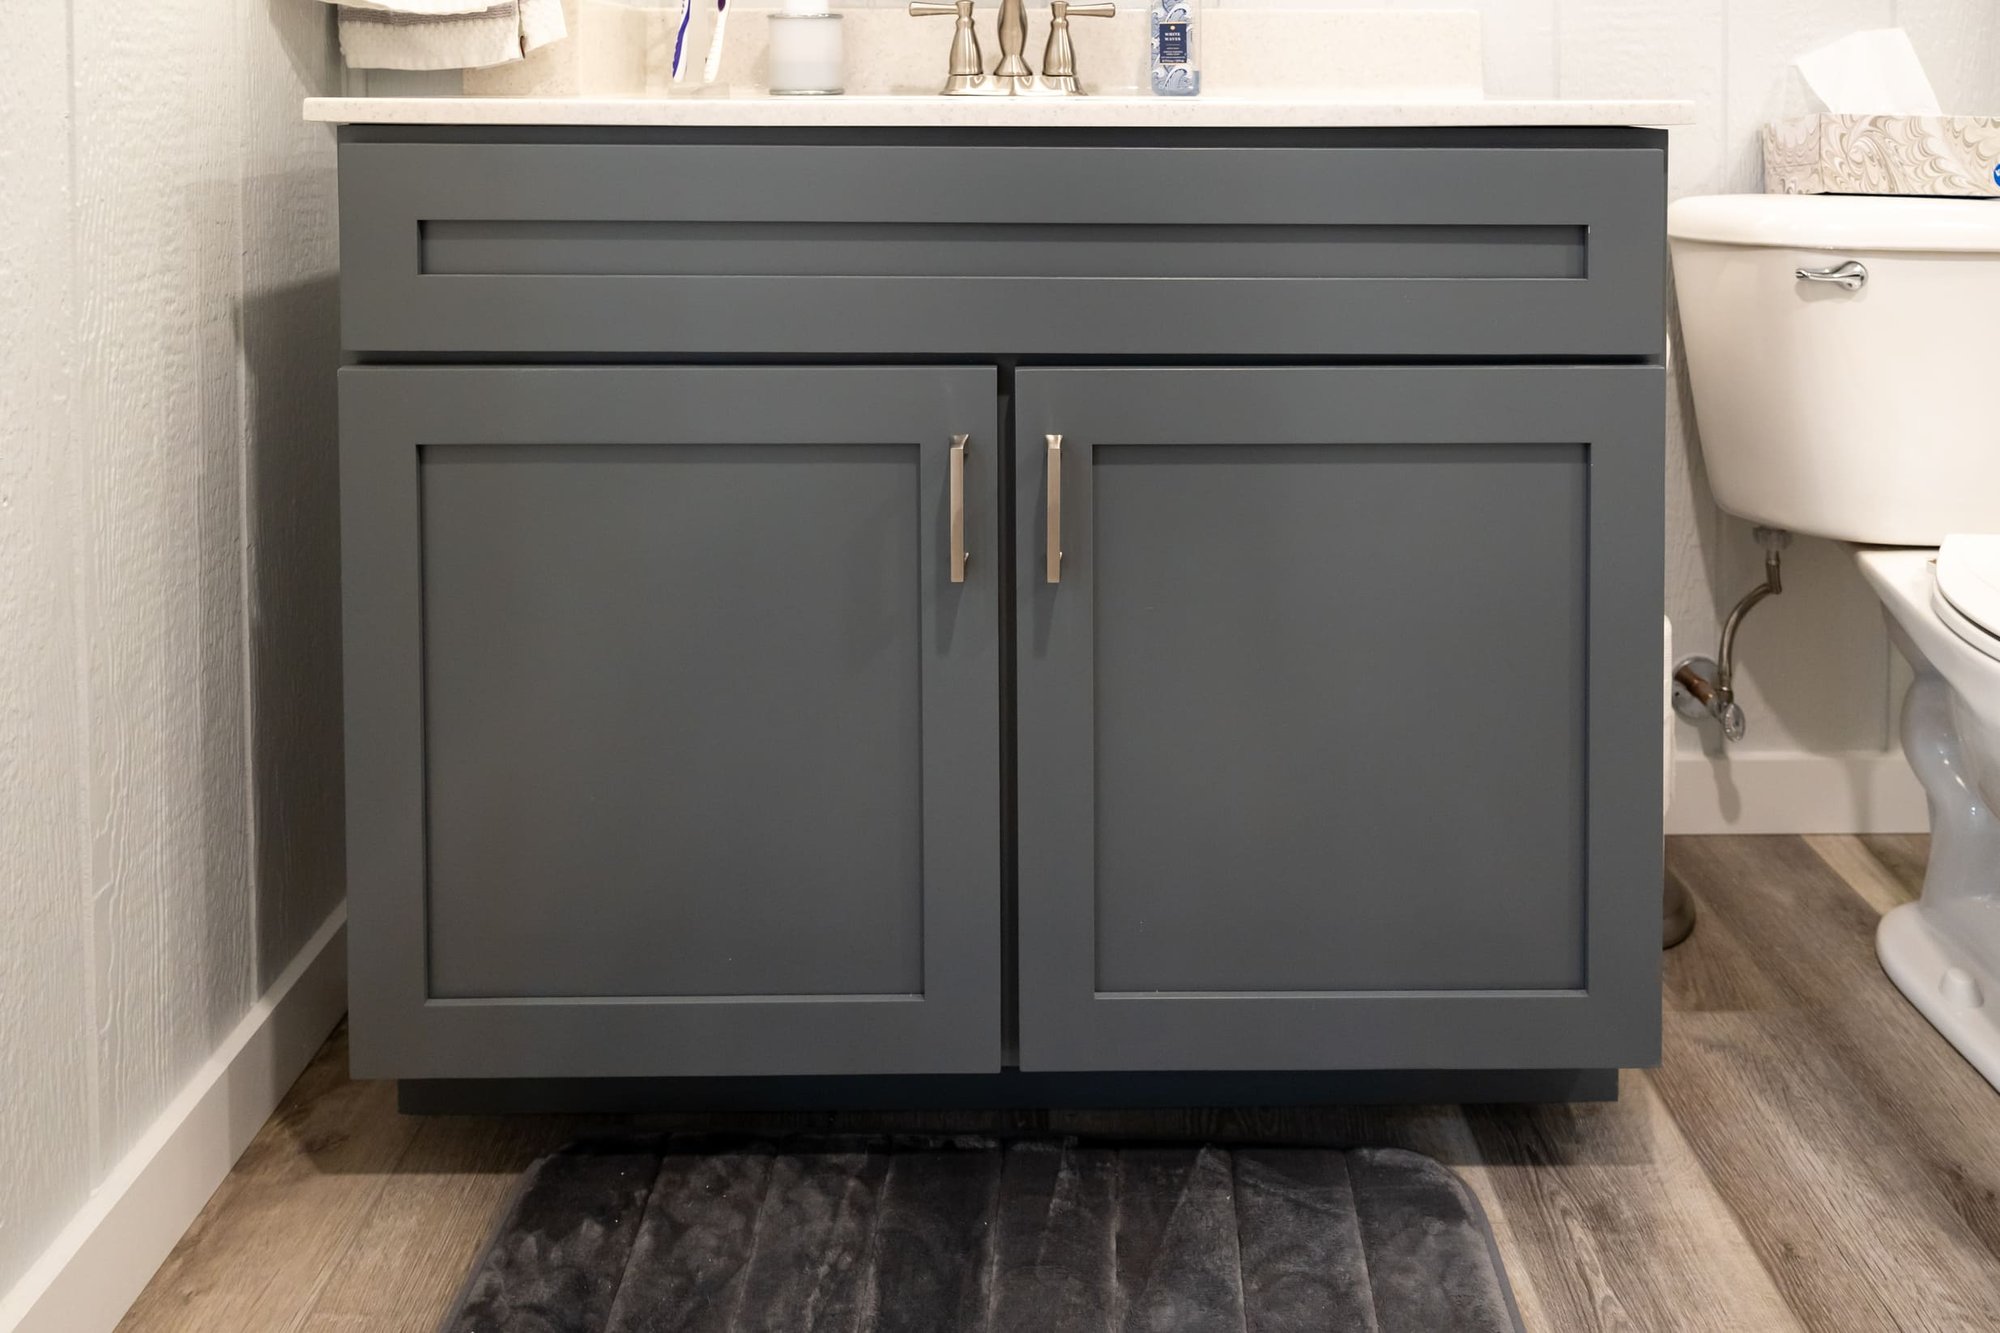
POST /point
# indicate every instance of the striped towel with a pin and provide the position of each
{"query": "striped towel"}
(444, 34)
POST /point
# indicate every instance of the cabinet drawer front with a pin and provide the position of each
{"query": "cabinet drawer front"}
(990, 247)
(673, 746)
(1338, 728)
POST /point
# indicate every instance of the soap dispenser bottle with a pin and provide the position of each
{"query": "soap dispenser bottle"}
(1174, 47)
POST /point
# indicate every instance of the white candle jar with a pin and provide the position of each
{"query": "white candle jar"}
(806, 54)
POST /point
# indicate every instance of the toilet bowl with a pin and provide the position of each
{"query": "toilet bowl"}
(1840, 350)
(1943, 951)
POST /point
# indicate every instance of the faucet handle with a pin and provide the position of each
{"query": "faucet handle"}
(968, 67)
(1059, 56)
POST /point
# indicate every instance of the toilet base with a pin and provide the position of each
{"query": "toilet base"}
(1943, 951)
(1945, 969)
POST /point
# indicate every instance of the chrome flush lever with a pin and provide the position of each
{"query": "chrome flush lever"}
(1851, 276)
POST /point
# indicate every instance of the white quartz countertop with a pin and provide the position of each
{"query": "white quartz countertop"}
(1310, 110)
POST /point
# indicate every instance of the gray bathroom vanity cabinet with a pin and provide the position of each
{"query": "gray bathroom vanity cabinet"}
(997, 615)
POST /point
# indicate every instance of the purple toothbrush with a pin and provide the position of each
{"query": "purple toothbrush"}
(680, 41)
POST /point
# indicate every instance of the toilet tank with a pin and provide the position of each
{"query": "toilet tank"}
(1873, 414)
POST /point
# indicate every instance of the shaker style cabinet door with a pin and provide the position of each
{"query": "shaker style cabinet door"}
(1339, 717)
(673, 737)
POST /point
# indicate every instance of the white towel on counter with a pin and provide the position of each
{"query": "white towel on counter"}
(444, 34)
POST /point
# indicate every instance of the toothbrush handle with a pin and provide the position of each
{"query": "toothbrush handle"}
(680, 41)
(714, 64)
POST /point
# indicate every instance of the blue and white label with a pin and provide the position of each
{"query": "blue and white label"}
(1172, 45)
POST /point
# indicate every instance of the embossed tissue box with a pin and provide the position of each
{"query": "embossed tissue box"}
(1847, 154)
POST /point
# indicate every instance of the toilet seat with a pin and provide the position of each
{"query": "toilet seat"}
(1966, 587)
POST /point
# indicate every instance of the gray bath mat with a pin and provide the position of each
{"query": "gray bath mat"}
(646, 1235)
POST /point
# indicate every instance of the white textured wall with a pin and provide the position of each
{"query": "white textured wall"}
(46, 1075)
(169, 760)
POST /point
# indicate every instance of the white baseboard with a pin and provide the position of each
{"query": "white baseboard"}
(98, 1264)
(1790, 792)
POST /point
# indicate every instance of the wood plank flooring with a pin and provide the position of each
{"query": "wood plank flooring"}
(1809, 1156)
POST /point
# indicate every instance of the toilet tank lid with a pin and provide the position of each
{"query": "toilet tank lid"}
(1838, 222)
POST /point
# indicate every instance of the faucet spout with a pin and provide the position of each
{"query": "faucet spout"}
(1013, 42)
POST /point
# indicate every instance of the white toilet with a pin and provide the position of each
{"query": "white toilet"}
(1845, 358)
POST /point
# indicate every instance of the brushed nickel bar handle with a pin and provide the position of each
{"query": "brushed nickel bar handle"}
(1055, 508)
(959, 559)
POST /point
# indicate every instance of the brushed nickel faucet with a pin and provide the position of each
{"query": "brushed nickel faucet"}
(968, 67)
(1012, 76)
(1059, 56)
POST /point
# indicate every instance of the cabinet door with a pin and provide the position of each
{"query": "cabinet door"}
(1339, 733)
(672, 742)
